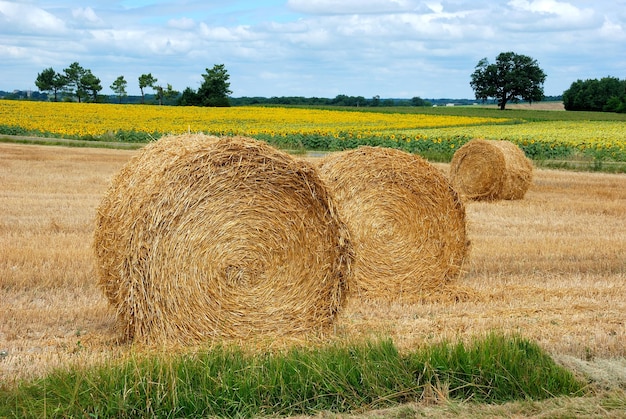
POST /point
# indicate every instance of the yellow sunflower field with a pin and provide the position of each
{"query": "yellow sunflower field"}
(314, 129)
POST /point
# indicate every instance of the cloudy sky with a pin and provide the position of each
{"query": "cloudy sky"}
(390, 48)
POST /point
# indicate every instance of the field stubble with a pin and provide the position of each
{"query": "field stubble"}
(550, 267)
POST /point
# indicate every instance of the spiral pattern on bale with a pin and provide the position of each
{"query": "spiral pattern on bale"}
(200, 237)
(406, 222)
(490, 170)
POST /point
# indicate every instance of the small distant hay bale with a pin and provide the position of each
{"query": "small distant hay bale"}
(406, 222)
(490, 170)
(202, 237)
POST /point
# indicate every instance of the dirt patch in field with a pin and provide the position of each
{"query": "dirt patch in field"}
(535, 106)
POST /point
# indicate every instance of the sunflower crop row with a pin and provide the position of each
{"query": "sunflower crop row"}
(435, 135)
(600, 140)
(74, 120)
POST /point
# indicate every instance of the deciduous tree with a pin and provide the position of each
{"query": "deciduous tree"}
(607, 94)
(189, 97)
(418, 101)
(512, 78)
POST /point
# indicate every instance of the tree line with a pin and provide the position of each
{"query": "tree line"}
(78, 83)
(339, 100)
(605, 95)
(512, 78)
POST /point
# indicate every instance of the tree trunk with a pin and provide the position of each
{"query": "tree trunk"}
(502, 102)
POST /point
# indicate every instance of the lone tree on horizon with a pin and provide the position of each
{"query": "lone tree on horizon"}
(512, 78)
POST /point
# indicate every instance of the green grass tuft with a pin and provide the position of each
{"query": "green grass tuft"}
(496, 369)
(228, 382)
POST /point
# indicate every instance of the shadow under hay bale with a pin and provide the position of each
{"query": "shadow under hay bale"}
(490, 170)
(202, 237)
(406, 222)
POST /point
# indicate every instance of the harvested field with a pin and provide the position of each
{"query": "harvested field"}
(539, 106)
(550, 267)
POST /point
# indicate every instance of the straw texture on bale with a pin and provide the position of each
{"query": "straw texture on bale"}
(406, 222)
(490, 170)
(201, 237)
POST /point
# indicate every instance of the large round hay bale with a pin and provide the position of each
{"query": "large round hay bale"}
(202, 237)
(490, 170)
(406, 222)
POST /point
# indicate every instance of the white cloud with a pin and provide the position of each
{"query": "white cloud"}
(27, 18)
(13, 52)
(183, 23)
(140, 44)
(87, 16)
(554, 7)
(613, 31)
(220, 33)
(552, 15)
(435, 6)
(333, 7)
(311, 47)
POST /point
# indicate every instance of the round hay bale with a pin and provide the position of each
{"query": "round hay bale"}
(406, 222)
(490, 170)
(201, 237)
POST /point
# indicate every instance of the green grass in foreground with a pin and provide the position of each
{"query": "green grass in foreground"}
(51, 141)
(340, 377)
